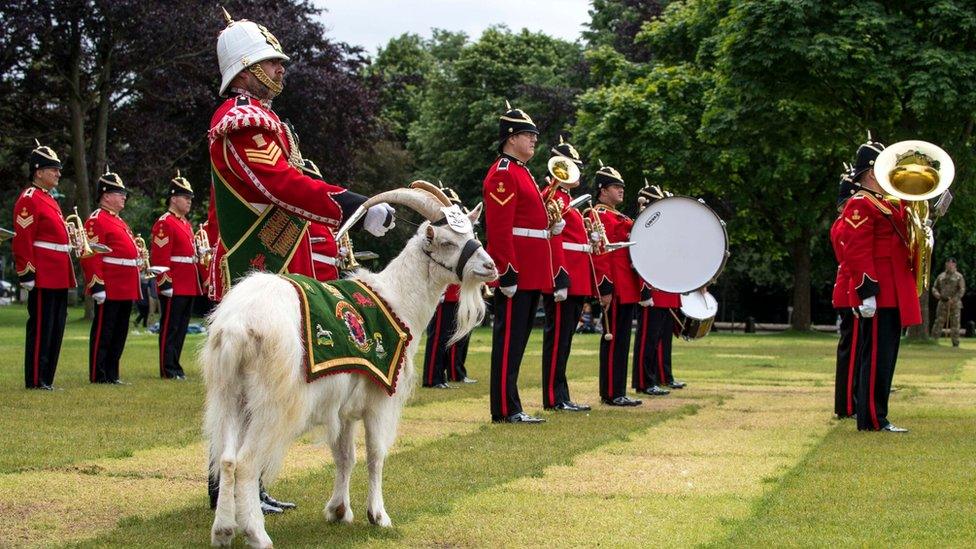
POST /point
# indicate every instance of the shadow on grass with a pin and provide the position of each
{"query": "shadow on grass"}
(426, 480)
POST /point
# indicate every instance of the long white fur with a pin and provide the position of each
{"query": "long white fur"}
(258, 401)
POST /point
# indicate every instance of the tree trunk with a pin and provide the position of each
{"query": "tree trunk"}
(77, 107)
(100, 134)
(801, 281)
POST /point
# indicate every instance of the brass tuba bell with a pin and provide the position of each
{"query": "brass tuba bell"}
(915, 171)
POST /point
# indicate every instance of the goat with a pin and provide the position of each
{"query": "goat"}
(258, 400)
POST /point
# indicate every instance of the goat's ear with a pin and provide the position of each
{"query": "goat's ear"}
(430, 234)
(475, 214)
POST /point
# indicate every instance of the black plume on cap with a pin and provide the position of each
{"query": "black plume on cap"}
(867, 153)
(567, 150)
(110, 182)
(607, 176)
(43, 157)
(514, 121)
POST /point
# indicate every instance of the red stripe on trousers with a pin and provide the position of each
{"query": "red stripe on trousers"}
(555, 354)
(874, 369)
(433, 348)
(162, 340)
(613, 342)
(508, 334)
(660, 362)
(850, 370)
(37, 339)
(100, 311)
(640, 355)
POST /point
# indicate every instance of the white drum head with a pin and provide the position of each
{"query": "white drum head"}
(699, 305)
(681, 245)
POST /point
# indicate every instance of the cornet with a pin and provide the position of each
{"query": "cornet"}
(202, 243)
(78, 238)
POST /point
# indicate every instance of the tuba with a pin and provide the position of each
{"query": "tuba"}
(916, 171)
(564, 173)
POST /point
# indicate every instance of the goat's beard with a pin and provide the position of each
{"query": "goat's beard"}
(471, 310)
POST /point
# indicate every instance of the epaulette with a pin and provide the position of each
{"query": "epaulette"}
(503, 164)
(871, 198)
(94, 214)
(28, 192)
(163, 217)
(243, 116)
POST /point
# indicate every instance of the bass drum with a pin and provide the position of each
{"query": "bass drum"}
(695, 317)
(680, 244)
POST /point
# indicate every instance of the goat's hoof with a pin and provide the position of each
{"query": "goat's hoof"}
(260, 539)
(380, 518)
(341, 513)
(221, 536)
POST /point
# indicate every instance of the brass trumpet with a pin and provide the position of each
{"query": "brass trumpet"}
(564, 173)
(78, 237)
(144, 258)
(202, 243)
(346, 261)
(593, 225)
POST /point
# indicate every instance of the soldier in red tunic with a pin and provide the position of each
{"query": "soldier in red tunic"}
(518, 234)
(573, 245)
(173, 251)
(443, 362)
(261, 201)
(847, 363)
(113, 280)
(325, 249)
(619, 288)
(882, 287)
(41, 256)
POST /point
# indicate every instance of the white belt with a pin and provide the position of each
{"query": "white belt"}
(577, 247)
(531, 233)
(120, 261)
(52, 246)
(183, 259)
(324, 259)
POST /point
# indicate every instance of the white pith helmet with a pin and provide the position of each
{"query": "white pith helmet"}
(241, 44)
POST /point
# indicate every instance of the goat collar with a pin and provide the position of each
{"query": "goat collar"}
(470, 247)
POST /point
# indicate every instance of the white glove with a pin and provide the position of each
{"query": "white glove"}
(560, 295)
(595, 237)
(99, 297)
(868, 307)
(28, 285)
(558, 227)
(343, 251)
(167, 293)
(379, 219)
(647, 302)
(508, 291)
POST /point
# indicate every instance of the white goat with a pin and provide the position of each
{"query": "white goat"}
(258, 401)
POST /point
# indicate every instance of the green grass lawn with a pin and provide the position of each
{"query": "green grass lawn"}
(747, 455)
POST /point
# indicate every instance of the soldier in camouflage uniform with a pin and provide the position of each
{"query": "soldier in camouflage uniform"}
(949, 288)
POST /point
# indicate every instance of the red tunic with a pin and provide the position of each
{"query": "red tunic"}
(249, 150)
(325, 252)
(173, 246)
(878, 257)
(665, 300)
(117, 270)
(38, 227)
(513, 203)
(841, 297)
(453, 293)
(615, 267)
(576, 261)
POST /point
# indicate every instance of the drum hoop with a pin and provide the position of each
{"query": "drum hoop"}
(725, 235)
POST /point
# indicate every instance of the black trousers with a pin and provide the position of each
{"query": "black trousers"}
(109, 330)
(557, 341)
(652, 348)
(847, 364)
(436, 354)
(510, 333)
(613, 353)
(457, 354)
(173, 319)
(878, 340)
(47, 311)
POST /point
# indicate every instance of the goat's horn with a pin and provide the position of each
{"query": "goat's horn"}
(432, 189)
(419, 200)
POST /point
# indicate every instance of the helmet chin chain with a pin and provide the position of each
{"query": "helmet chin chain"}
(263, 77)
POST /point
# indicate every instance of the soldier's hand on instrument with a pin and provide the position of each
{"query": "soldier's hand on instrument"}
(508, 291)
(868, 307)
(560, 295)
(595, 237)
(558, 227)
(646, 303)
(379, 219)
(343, 251)
(99, 297)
